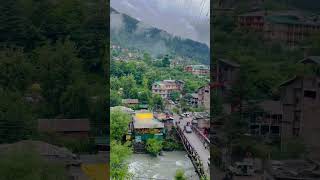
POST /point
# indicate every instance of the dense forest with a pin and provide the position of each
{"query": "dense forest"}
(53, 64)
(129, 32)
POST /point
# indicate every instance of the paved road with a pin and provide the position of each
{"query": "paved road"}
(196, 143)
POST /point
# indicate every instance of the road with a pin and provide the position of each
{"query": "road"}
(196, 143)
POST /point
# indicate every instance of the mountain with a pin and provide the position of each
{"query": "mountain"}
(129, 32)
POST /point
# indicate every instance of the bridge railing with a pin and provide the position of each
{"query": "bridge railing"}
(195, 158)
(205, 141)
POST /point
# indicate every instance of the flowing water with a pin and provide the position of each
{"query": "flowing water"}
(146, 167)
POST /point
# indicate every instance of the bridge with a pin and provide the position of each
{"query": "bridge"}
(196, 145)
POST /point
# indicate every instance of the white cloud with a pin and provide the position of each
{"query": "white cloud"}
(185, 18)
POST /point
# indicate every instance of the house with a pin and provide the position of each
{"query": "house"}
(102, 143)
(200, 70)
(266, 122)
(300, 100)
(203, 97)
(193, 100)
(227, 73)
(73, 128)
(130, 102)
(289, 26)
(166, 119)
(146, 126)
(202, 119)
(165, 87)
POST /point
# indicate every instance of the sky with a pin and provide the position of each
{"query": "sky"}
(184, 18)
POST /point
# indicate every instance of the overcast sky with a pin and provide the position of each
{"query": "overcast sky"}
(185, 18)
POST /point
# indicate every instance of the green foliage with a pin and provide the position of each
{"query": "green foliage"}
(118, 161)
(175, 95)
(180, 175)
(166, 61)
(157, 102)
(14, 69)
(75, 101)
(154, 146)
(16, 119)
(119, 123)
(26, 164)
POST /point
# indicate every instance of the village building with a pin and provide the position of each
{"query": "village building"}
(130, 102)
(166, 119)
(226, 73)
(166, 87)
(266, 122)
(203, 97)
(289, 27)
(71, 128)
(146, 126)
(300, 99)
(193, 100)
(200, 70)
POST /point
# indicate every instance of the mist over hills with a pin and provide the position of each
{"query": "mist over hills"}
(130, 32)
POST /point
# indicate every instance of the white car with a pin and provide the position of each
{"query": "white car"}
(188, 129)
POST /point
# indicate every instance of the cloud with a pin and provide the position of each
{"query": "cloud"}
(116, 21)
(185, 18)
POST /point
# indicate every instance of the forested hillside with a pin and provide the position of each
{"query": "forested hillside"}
(52, 64)
(129, 32)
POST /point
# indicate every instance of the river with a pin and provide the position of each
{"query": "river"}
(146, 167)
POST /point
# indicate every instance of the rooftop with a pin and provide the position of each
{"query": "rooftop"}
(63, 125)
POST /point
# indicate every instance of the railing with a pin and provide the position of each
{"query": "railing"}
(192, 153)
(205, 141)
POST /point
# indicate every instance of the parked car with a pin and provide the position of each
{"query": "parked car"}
(188, 129)
(242, 169)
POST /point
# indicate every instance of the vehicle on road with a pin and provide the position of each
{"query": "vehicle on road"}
(242, 169)
(188, 129)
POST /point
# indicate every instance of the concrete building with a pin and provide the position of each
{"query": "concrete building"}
(300, 99)
(200, 70)
(289, 27)
(165, 87)
(226, 73)
(266, 122)
(203, 97)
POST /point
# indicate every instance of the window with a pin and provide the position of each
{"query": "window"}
(310, 94)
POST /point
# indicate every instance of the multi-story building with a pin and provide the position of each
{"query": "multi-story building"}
(200, 70)
(289, 27)
(266, 122)
(300, 99)
(226, 73)
(165, 87)
(203, 95)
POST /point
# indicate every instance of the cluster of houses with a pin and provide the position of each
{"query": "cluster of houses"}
(124, 54)
(290, 26)
(295, 115)
(199, 70)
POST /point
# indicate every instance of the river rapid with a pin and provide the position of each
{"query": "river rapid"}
(164, 167)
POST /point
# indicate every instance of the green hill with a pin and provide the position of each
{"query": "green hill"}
(129, 32)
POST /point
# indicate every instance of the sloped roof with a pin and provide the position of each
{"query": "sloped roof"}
(130, 101)
(315, 59)
(229, 62)
(63, 125)
(148, 124)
